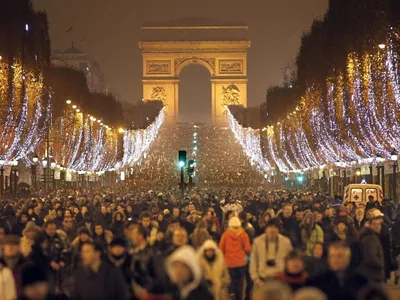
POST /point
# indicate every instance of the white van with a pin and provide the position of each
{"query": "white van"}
(359, 193)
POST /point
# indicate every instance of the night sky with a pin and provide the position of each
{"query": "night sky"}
(111, 29)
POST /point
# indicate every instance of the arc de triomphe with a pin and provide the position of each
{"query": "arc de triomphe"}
(167, 48)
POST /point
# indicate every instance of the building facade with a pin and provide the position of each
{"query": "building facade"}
(78, 60)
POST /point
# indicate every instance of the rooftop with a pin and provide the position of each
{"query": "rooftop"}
(193, 23)
(73, 50)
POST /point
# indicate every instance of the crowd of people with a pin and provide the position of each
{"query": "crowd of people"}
(226, 238)
(222, 162)
(119, 243)
(159, 165)
(219, 158)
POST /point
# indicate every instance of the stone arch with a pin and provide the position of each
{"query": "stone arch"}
(225, 60)
(181, 63)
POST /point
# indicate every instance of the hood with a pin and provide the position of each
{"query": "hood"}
(209, 244)
(186, 255)
(115, 214)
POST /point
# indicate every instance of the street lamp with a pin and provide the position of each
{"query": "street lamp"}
(370, 160)
(2, 163)
(14, 182)
(382, 46)
(68, 102)
(121, 130)
(52, 167)
(35, 161)
(381, 174)
(44, 164)
(394, 157)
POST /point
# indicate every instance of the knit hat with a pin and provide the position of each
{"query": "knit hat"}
(234, 222)
(118, 241)
(32, 274)
(30, 226)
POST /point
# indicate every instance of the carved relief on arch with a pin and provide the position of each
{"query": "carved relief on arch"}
(207, 62)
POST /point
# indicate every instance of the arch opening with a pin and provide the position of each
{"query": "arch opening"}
(195, 94)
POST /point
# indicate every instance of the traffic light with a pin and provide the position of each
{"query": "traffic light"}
(192, 165)
(300, 178)
(182, 158)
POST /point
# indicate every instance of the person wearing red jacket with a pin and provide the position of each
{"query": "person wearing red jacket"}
(235, 245)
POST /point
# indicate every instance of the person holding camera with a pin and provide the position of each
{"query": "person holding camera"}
(268, 254)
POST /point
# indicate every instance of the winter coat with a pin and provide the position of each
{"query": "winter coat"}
(18, 228)
(316, 236)
(396, 236)
(315, 266)
(117, 227)
(194, 289)
(359, 225)
(104, 220)
(124, 264)
(215, 272)
(17, 270)
(235, 245)
(147, 268)
(328, 283)
(372, 264)
(108, 283)
(294, 281)
(386, 242)
(258, 267)
(56, 250)
(291, 229)
(39, 258)
(7, 284)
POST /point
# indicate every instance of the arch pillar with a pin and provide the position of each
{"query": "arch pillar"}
(167, 91)
(226, 92)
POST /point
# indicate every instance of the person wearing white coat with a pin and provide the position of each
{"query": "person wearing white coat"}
(7, 284)
(214, 268)
(268, 254)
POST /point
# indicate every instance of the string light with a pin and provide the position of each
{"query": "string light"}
(353, 117)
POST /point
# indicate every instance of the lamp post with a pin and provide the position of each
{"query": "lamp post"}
(394, 157)
(14, 182)
(35, 161)
(321, 168)
(379, 166)
(2, 162)
(62, 175)
(44, 164)
(53, 167)
(371, 170)
(358, 174)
